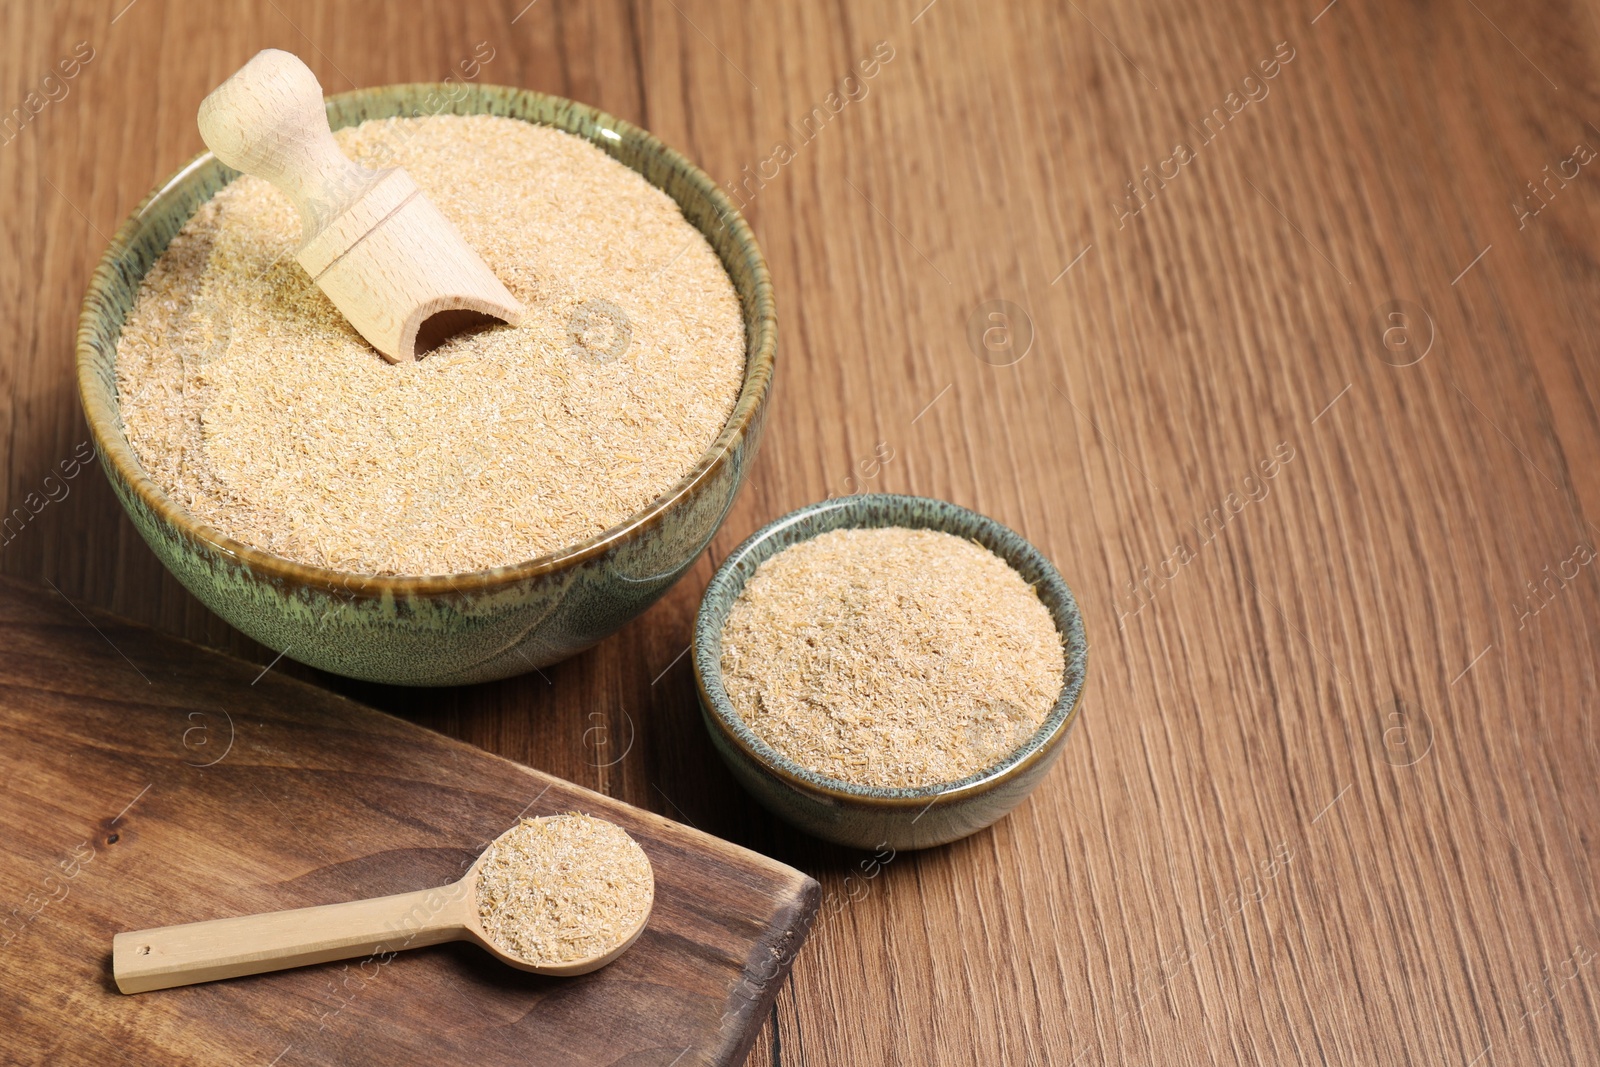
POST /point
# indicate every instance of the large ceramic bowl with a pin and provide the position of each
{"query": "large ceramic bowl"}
(870, 817)
(459, 628)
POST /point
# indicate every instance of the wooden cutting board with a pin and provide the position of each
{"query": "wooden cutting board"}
(145, 781)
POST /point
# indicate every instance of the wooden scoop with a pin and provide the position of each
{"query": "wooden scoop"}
(169, 956)
(382, 252)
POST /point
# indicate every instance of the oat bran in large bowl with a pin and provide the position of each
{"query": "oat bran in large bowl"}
(333, 511)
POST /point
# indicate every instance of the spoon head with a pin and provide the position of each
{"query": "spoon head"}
(560, 895)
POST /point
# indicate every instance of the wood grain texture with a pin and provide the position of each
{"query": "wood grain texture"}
(151, 783)
(1333, 793)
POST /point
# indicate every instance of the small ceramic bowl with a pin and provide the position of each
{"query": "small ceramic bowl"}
(870, 817)
(449, 629)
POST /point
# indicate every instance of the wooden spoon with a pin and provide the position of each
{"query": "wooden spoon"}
(168, 956)
(402, 275)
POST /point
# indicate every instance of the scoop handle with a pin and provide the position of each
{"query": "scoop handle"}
(269, 120)
(169, 956)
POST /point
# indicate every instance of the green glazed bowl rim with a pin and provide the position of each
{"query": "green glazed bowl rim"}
(879, 510)
(607, 132)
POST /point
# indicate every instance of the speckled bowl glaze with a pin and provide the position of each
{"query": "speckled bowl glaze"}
(866, 816)
(450, 629)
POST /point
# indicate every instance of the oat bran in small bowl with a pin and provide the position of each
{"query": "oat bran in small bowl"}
(887, 669)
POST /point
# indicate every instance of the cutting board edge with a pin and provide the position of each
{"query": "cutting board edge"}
(785, 948)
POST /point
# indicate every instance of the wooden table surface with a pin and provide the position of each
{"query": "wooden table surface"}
(1308, 416)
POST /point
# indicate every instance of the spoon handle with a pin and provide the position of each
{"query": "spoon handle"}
(269, 120)
(169, 956)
